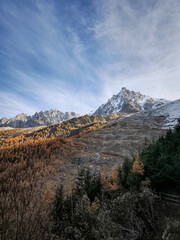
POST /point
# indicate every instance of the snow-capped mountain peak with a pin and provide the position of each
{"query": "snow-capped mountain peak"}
(129, 102)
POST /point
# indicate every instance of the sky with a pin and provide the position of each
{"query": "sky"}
(73, 55)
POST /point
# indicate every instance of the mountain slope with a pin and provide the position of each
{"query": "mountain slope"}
(129, 102)
(73, 127)
(68, 128)
(38, 119)
(164, 117)
(126, 136)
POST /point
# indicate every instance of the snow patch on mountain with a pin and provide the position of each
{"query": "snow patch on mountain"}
(171, 112)
(129, 102)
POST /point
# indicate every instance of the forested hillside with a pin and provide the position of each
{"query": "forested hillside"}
(100, 204)
(122, 205)
(72, 127)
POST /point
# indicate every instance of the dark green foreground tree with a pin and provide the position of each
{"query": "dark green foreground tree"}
(74, 216)
(90, 213)
(162, 161)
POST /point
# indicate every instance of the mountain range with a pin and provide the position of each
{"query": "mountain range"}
(38, 119)
(122, 104)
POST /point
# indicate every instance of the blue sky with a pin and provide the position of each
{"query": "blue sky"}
(73, 55)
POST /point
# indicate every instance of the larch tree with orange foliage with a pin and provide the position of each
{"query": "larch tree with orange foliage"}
(138, 166)
(110, 183)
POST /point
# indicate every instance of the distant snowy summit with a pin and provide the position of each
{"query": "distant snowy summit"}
(38, 119)
(127, 101)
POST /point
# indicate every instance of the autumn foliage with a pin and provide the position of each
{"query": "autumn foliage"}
(75, 128)
(138, 166)
(24, 201)
(26, 195)
(28, 165)
(110, 181)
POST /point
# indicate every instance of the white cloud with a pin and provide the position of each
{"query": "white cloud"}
(51, 66)
(147, 41)
(54, 93)
(11, 104)
(40, 36)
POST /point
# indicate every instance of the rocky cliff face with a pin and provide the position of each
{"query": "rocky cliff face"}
(38, 119)
(129, 102)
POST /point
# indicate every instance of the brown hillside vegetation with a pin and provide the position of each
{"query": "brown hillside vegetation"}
(28, 163)
(68, 128)
(75, 126)
(26, 196)
(8, 132)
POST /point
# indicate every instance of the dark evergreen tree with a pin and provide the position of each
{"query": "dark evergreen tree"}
(162, 160)
(89, 183)
(124, 174)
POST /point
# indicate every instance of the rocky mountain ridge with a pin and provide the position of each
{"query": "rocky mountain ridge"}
(38, 119)
(127, 101)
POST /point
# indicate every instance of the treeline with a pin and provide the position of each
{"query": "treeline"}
(15, 132)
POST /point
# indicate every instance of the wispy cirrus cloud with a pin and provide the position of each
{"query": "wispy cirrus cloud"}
(145, 38)
(53, 93)
(45, 59)
(73, 55)
(12, 104)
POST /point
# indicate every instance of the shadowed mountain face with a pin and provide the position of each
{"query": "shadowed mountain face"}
(38, 119)
(126, 136)
(129, 102)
